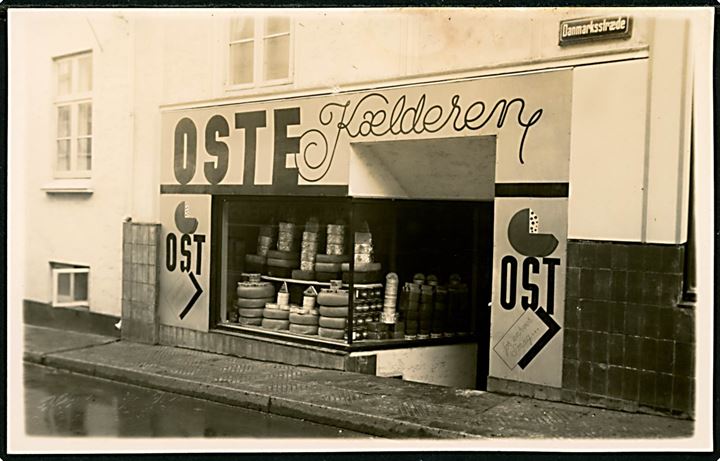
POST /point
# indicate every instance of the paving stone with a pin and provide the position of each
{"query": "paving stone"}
(379, 406)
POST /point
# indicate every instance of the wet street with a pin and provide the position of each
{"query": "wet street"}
(58, 403)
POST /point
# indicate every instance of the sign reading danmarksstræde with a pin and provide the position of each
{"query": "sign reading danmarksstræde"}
(594, 29)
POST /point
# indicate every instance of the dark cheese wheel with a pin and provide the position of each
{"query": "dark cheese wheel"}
(303, 329)
(334, 311)
(332, 258)
(303, 319)
(280, 272)
(285, 263)
(252, 303)
(254, 292)
(328, 298)
(326, 276)
(274, 324)
(297, 274)
(253, 313)
(287, 255)
(277, 314)
(327, 267)
(256, 321)
(257, 259)
(337, 323)
(331, 333)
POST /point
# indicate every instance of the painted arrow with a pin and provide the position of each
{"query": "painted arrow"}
(191, 303)
(553, 328)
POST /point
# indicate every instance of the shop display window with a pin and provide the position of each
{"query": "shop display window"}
(352, 272)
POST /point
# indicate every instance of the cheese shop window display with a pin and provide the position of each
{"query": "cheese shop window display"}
(349, 271)
(281, 263)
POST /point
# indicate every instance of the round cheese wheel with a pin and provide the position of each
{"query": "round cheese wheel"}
(255, 321)
(298, 274)
(284, 263)
(332, 258)
(252, 303)
(334, 311)
(251, 313)
(274, 324)
(338, 323)
(331, 333)
(303, 329)
(277, 314)
(303, 319)
(255, 292)
(327, 267)
(330, 298)
(279, 254)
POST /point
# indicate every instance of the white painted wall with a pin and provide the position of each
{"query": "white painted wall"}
(71, 228)
(607, 151)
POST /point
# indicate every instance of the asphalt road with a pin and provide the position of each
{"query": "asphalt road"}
(59, 403)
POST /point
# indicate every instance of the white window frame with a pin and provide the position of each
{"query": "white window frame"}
(56, 272)
(258, 40)
(73, 100)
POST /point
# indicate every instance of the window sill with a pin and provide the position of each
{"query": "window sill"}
(69, 186)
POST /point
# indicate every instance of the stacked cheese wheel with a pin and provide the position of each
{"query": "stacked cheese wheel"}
(256, 262)
(275, 317)
(365, 270)
(333, 313)
(308, 250)
(251, 300)
(303, 321)
(280, 263)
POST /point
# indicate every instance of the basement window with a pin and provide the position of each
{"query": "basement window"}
(69, 285)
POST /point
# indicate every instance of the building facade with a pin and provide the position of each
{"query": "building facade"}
(539, 164)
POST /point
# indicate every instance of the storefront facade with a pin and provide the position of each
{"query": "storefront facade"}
(545, 191)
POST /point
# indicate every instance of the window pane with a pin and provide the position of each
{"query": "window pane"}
(277, 25)
(63, 121)
(64, 74)
(277, 57)
(64, 288)
(84, 119)
(241, 63)
(63, 155)
(84, 160)
(242, 28)
(81, 286)
(85, 73)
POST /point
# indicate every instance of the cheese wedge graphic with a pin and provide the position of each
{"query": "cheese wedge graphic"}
(524, 236)
(185, 223)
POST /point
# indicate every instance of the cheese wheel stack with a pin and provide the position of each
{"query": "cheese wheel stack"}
(252, 297)
(333, 310)
(308, 250)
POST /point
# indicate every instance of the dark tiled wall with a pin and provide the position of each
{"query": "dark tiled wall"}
(140, 273)
(627, 344)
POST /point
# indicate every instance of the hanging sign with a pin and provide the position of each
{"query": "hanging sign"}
(594, 29)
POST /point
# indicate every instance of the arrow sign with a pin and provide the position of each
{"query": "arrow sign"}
(191, 303)
(553, 328)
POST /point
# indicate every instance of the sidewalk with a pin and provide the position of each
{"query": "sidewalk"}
(378, 406)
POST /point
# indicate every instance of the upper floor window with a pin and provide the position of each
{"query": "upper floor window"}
(260, 51)
(73, 112)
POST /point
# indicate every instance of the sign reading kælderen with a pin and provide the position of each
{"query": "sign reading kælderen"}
(594, 29)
